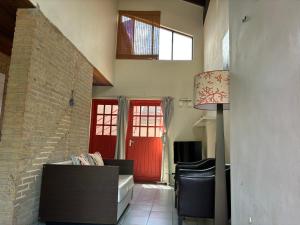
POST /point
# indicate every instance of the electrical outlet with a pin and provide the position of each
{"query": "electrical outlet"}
(250, 220)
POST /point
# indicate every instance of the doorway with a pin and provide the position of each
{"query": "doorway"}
(143, 143)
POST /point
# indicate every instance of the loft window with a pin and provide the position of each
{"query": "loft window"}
(140, 36)
(174, 45)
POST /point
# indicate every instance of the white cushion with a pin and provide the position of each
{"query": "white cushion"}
(125, 184)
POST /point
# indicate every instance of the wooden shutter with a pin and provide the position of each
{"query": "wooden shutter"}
(138, 35)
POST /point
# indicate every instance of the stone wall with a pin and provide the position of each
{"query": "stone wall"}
(39, 125)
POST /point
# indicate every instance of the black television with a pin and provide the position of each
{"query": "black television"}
(187, 151)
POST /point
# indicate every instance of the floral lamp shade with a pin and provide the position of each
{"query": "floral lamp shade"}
(211, 88)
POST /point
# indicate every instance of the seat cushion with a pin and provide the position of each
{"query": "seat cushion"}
(125, 184)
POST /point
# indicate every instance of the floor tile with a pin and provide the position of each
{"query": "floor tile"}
(154, 205)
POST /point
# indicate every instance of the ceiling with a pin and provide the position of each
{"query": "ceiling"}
(203, 3)
(8, 9)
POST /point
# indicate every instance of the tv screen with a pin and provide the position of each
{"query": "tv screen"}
(187, 151)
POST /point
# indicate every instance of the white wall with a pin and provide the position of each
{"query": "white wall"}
(90, 25)
(151, 78)
(265, 125)
(215, 27)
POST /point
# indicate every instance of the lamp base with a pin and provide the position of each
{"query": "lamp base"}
(221, 211)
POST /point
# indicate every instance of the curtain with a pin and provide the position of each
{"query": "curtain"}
(121, 128)
(167, 105)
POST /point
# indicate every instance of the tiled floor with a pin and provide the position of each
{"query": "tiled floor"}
(154, 205)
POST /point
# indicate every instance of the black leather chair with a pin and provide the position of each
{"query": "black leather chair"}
(203, 164)
(196, 194)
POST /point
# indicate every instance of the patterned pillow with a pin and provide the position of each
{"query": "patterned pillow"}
(97, 159)
(75, 160)
(83, 160)
(90, 159)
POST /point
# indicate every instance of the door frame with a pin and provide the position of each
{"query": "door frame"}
(142, 102)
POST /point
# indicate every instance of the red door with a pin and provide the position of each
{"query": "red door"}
(103, 133)
(144, 145)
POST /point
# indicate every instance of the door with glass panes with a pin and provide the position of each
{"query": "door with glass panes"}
(103, 133)
(144, 144)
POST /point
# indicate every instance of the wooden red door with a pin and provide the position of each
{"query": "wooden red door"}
(144, 145)
(103, 132)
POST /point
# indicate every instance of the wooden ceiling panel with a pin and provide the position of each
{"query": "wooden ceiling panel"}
(197, 2)
(8, 11)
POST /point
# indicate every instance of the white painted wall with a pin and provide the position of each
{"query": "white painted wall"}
(265, 125)
(150, 79)
(90, 25)
(215, 27)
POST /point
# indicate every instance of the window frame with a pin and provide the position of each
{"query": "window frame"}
(159, 26)
(132, 56)
(104, 114)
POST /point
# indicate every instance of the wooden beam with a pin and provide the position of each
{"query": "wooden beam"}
(205, 9)
(99, 79)
(197, 2)
(5, 45)
(8, 11)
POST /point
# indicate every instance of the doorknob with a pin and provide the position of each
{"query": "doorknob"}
(130, 142)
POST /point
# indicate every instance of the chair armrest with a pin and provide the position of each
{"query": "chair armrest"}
(191, 163)
(204, 172)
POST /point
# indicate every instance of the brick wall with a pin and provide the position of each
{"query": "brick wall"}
(39, 126)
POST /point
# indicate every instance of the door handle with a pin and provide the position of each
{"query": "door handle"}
(130, 142)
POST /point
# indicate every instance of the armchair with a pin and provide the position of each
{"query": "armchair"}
(196, 194)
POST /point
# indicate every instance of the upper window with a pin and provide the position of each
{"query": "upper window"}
(174, 45)
(140, 36)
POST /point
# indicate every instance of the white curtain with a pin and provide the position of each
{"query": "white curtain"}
(167, 105)
(120, 152)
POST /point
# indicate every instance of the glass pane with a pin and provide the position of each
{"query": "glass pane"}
(136, 121)
(99, 119)
(151, 132)
(144, 110)
(106, 130)
(143, 121)
(182, 47)
(165, 44)
(115, 109)
(99, 130)
(100, 109)
(113, 130)
(136, 110)
(135, 132)
(107, 120)
(159, 121)
(152, 110)
(158, 132)
(142, 38)
(143, 132)
(151, 121)
(107, 109)
(114, 120)
(158, 110)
